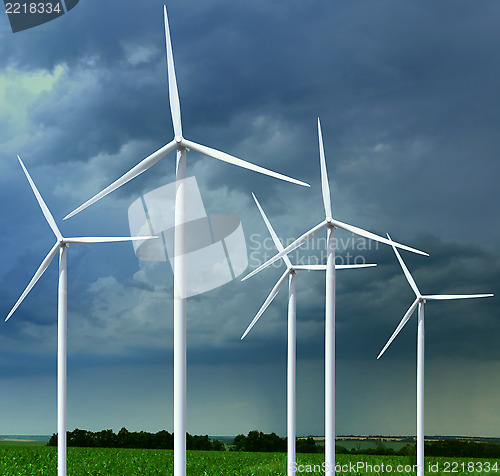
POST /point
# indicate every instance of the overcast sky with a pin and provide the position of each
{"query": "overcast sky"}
(408, 97)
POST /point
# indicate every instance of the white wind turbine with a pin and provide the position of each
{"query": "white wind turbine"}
(291, 338)
(179, 142)
(331, 224)
(61, 245)
(420, 302)
(182, 145)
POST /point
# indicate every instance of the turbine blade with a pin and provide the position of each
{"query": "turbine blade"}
(354, 266)
(173, 94)
(41, 269)
(325, 186)
(372, 236)
(311, 267)
(406, 271)
(306, 236)
(216, 154)
(268, 301)
(107, 239)
(407, 316)
(275, 238)
(322, 267)
(45, 210)
(444, 297)
(134, 172)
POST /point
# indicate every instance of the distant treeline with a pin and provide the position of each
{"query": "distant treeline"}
(258, 441)
(457, 448)
(449, 448)
(132, 439)
(271, 442)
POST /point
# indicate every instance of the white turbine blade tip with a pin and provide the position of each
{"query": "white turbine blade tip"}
(175, 106)
(45, 210)
(153, 237)
(325, 186)
(372, 236)
(268, 301)
(400, 326)
(382, 351)
(41, 269)
(107, 239)
(444, 297)
(73, 213)
(311, 267)
(216, 154)
(249, 328)
(355, 266)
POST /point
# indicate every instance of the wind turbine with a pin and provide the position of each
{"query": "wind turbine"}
(420, 302)
(61, 245)
(330, 224)
(291, 339)
(179, 142)
(182, 145)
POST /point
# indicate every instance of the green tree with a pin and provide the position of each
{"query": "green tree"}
(306, 445)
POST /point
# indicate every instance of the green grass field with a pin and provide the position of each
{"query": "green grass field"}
(17, 460)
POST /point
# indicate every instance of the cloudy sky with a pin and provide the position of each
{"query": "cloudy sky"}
(409, 102)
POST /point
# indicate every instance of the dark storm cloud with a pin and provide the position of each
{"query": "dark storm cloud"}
(418, 79)
(408, 98)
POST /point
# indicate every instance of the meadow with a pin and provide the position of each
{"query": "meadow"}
(17, 460)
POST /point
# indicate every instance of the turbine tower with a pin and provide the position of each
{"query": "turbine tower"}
(61, 245)
(419, 302)
(331, 224)
(182, 145)
(291, 339)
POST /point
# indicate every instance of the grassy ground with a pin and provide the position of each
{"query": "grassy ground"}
(18, 460)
